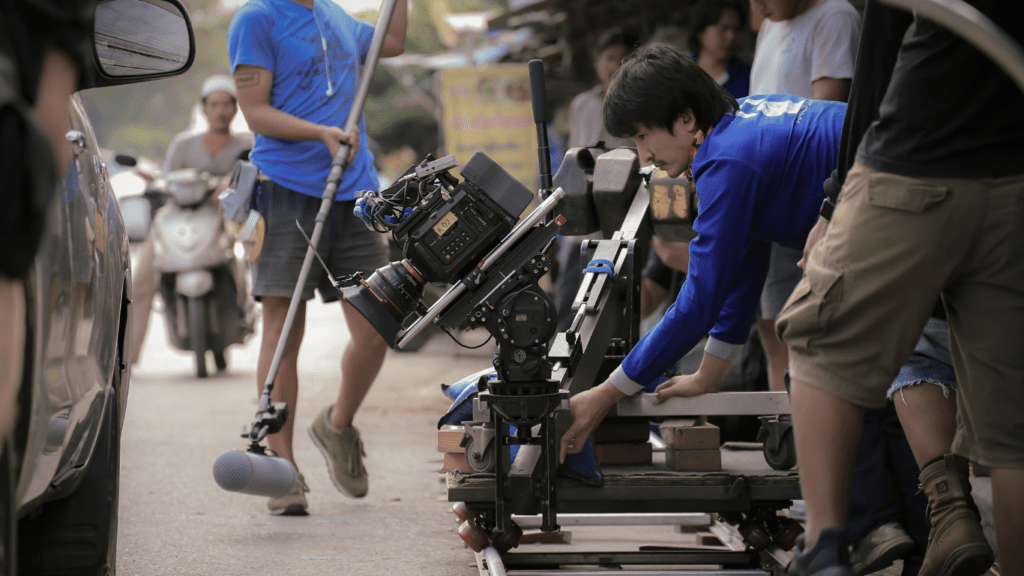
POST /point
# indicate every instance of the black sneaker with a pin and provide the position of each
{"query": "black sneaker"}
(829, 557)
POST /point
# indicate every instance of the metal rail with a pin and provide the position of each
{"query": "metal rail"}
(564, 520)
(719, 403)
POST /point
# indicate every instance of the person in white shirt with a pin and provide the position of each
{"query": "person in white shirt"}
(804, 48)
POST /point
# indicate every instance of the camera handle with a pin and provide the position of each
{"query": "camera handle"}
(540, 117)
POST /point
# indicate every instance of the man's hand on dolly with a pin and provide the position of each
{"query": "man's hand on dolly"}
(334, 137)
(588, 410)
(686, 386)
(708, 378)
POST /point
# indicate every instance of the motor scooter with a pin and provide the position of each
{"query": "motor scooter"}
(207, 301)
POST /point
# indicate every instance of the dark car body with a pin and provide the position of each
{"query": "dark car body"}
(59, 465)
(76, 390)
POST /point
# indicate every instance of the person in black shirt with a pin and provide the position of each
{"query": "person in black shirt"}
(933, 206)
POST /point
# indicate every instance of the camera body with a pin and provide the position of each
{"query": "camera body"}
(445, 228)
(445, 237)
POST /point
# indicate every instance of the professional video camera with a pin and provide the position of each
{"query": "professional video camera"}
(469, 234)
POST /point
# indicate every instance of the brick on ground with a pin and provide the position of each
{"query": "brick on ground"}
(455, 462)
(693, 460)
(449, 438)
(684, 434)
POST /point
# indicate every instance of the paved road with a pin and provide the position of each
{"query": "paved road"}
(175, 520)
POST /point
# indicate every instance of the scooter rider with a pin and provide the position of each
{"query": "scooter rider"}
(214, 151)
(757, 165)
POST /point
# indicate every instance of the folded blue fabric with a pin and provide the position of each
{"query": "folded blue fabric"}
(462, 394)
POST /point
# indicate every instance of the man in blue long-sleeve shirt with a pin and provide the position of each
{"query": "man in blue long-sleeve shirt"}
(757, 165)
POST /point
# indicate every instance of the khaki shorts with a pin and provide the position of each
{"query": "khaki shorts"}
(895, 244)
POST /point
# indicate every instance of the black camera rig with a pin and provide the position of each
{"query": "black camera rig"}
(469, 234)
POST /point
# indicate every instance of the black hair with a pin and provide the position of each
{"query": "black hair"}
(615, 37)
(708, 13)
(655, 85)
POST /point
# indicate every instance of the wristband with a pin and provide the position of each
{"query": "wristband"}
(827, 207)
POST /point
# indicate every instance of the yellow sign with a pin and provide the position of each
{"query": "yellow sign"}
(489, 110)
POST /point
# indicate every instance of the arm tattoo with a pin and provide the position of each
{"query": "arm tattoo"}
(247, 79)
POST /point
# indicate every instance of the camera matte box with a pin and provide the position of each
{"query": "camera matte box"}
(499, 185)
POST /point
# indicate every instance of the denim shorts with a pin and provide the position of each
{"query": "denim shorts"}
(930, 361)
(346, 245)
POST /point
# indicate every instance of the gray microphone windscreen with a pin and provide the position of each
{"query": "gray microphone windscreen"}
(256, 474)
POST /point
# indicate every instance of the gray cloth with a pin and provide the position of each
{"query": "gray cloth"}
(188, 151)
(586, 126)
(783, 276)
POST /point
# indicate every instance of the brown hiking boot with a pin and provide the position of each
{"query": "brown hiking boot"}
(956, 544)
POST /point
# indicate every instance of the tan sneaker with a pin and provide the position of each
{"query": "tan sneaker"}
(293, 503)
(343, 451)
(880, 548)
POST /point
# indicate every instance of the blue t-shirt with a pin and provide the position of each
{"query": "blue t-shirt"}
(758, 176)
(291, 42)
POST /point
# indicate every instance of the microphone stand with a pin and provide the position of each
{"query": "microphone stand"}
(271, 416)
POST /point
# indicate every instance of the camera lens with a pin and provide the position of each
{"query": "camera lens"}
(398, 288)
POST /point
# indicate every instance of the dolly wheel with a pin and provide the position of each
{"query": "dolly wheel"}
(783, 457)
(473, 536)
(755, 536)
(508, 539)
(463, 512)
(787, 535)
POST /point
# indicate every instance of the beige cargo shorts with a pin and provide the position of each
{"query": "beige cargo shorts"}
(895, 246)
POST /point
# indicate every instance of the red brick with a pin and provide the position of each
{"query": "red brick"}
(449, 438)
(455, 461)
(693, 460)
(703, 437)
(631, 453)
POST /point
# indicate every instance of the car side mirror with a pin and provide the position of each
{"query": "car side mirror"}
(139, 40)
